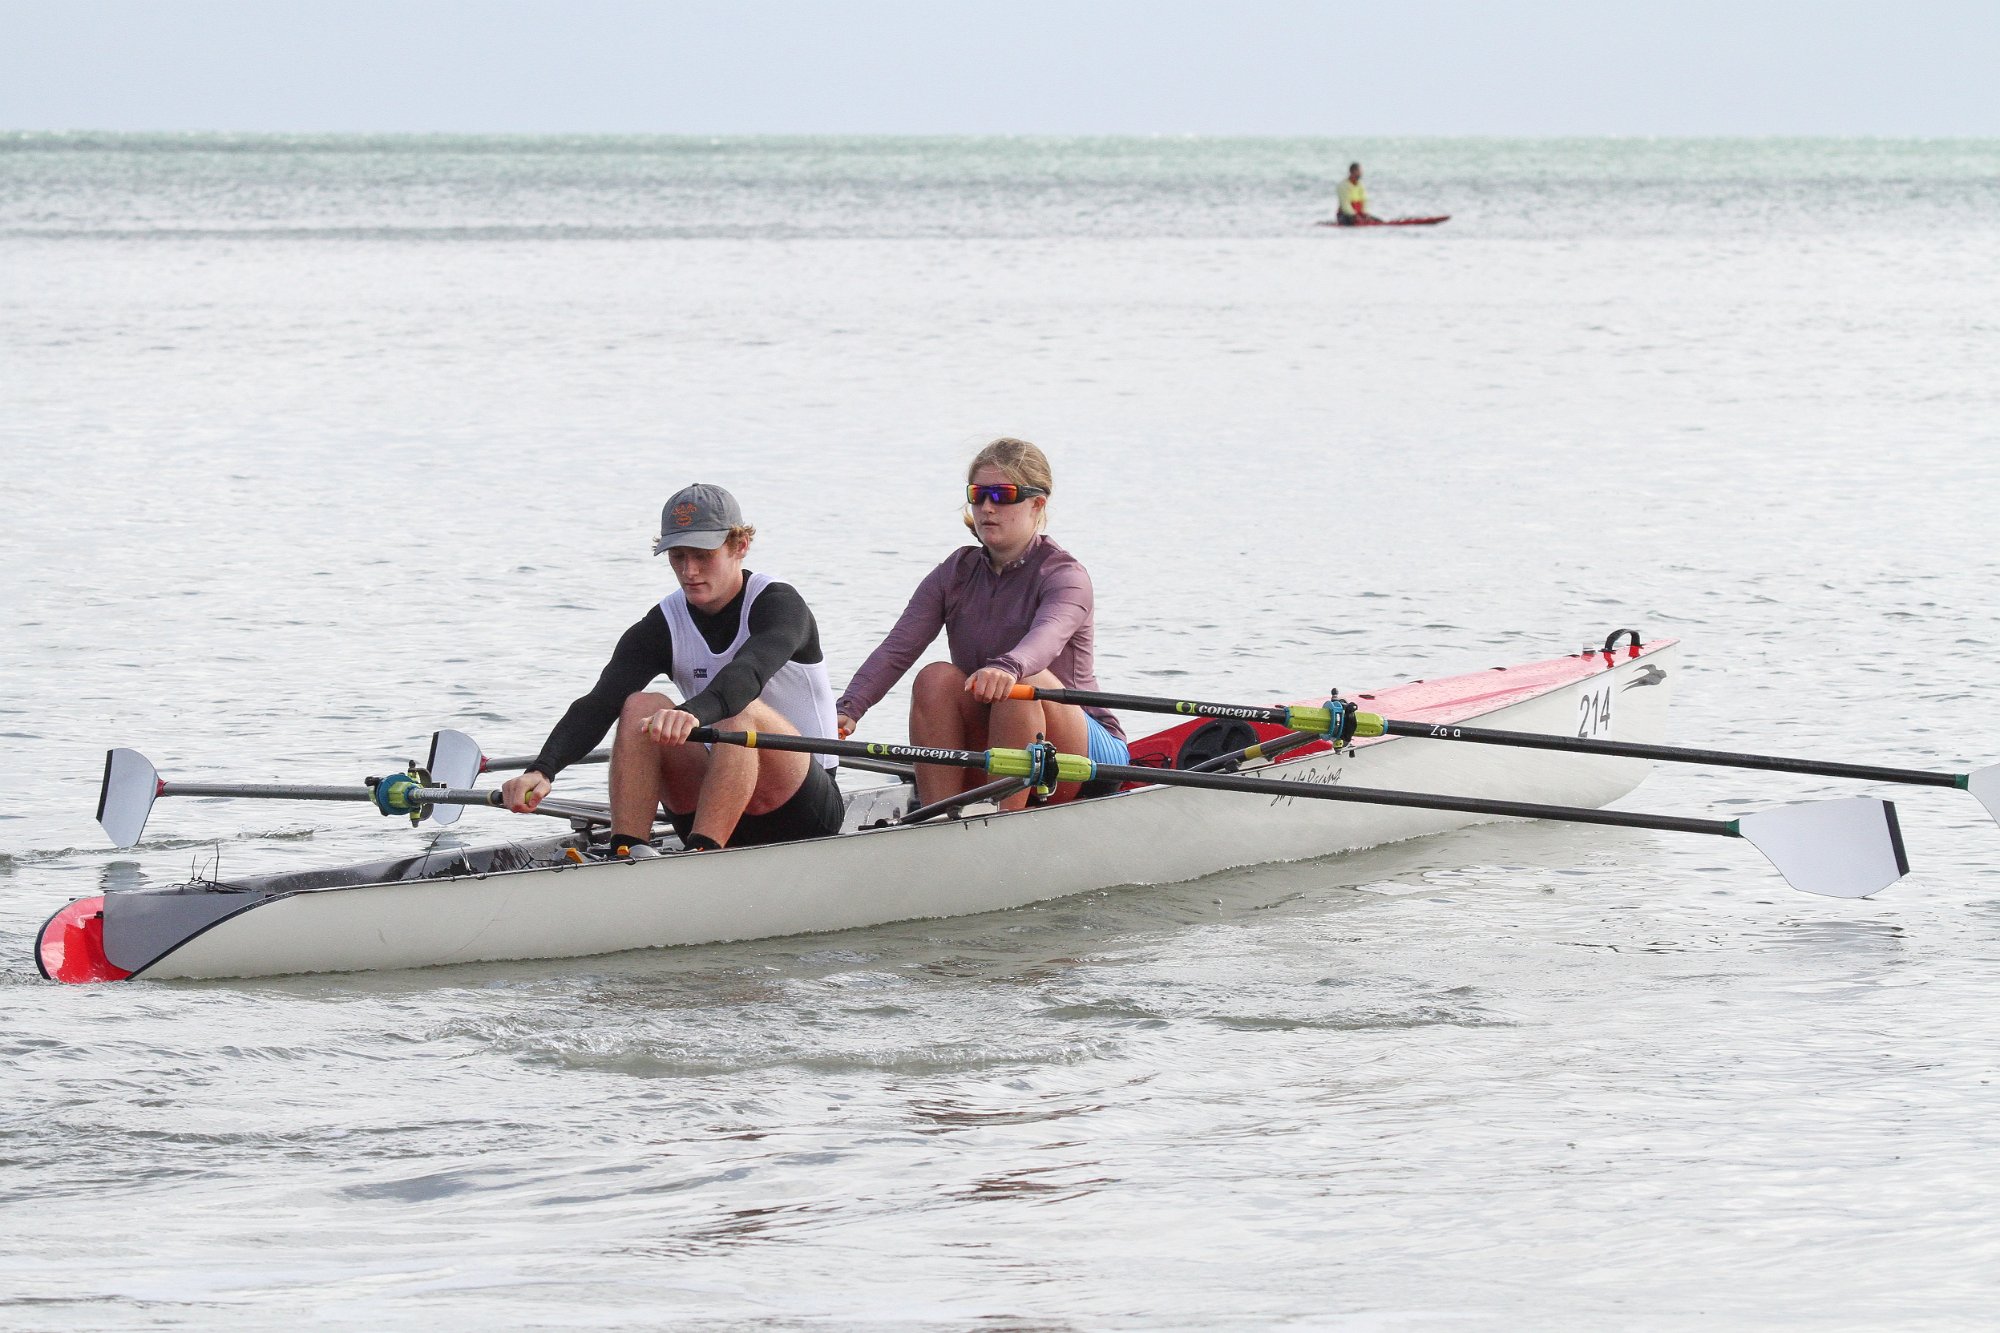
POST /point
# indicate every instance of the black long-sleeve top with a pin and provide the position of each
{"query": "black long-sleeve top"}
(782, 630)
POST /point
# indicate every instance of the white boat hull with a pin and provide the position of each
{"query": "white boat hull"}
(947, 868)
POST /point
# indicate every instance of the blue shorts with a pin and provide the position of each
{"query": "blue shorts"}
(1105, 748)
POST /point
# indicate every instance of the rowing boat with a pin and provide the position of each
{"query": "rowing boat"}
(527, 899)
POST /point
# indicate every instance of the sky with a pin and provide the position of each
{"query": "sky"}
(1289, 67)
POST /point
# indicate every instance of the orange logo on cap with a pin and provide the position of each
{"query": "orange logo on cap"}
(683, 514)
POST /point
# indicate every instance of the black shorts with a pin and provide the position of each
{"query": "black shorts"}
(815, 811)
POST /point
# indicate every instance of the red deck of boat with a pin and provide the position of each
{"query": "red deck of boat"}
(1445, 699)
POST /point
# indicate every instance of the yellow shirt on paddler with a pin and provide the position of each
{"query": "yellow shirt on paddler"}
(1353, 196)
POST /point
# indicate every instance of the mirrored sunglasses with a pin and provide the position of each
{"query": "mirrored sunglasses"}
(1007, 493)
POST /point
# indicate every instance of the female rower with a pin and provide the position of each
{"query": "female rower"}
(1015, 608)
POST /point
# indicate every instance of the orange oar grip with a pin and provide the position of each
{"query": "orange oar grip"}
(1021, 692)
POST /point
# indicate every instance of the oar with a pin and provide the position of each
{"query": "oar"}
(996, 791)
(1984, 783)
(455, 760)
(1846, 848)
(1002, 788)
(1271, 749)
(132, 784)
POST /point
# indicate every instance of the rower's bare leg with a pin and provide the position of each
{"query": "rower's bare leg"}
(943, 715)
(742, 781)
(644, 774)
(1015, 723)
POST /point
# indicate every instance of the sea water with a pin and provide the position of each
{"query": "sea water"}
(312, 445)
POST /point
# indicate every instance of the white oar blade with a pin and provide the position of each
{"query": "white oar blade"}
(130, 784)
(1985, 784)
(1848, 848)
(455, 762)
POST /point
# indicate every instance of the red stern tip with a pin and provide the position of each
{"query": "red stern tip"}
(70, 948)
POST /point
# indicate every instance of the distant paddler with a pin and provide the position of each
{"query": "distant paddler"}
(1354, 200)
(743, 652)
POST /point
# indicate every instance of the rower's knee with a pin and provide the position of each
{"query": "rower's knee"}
(758, 716)
(638, 707)
(940, 682)
(936, 696)
(1013, 723)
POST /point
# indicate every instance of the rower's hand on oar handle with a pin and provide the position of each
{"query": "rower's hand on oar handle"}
(845, 725)
(669, 726)
(989, 685)
(523, 794)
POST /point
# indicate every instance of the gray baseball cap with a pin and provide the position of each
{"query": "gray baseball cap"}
(699, 516)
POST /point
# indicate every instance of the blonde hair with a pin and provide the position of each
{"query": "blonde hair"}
(739, 538)
(1021, 463)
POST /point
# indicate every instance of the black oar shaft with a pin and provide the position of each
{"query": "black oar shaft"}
(903, 771)
(777, 740)
(510, 762)
(1271, 749)
(857, 762)
(1170, 777)
(1471, 805)
(992, 791)
(1144, 704)
(1675, 754)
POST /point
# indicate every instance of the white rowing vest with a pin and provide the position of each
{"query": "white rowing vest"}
(799, 691)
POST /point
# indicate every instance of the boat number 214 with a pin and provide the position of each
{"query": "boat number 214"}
(1593, 713)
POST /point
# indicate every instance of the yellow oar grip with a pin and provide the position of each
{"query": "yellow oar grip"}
(1323, 720)
(1009, 763)
(749, 740)
(1020, 764)
(1316, 720)
(1074, 768)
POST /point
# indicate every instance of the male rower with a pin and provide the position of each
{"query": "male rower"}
(1354, 200)
(743, 652)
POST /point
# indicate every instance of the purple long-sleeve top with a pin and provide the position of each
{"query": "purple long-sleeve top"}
(1038, 613)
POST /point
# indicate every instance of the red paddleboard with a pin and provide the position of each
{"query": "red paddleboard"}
(1389, 222)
